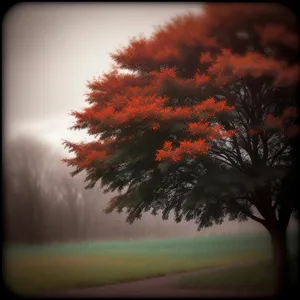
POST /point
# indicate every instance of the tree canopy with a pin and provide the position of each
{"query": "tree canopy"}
(202, 123)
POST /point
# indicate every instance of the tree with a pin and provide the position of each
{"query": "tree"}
(34, 185)
(44, 205)
(203, 122)
(25, 198)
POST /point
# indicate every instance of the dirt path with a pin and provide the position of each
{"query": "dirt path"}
(164, 286)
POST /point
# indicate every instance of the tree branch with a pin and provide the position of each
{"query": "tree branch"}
(224, 161)
(265, 147)
(257, 219)
(247, 142)
(248, 214)
(278, 153)
(233, 163)
(239, 156)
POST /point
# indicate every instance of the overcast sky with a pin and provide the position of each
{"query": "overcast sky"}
(51, 50)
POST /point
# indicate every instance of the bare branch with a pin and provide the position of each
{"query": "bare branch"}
(239, 156)
(233, 163)
(257, 219)
(277, 154)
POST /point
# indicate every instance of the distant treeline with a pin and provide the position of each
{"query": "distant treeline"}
(44, 204)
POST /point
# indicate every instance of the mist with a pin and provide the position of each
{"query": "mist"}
(44, 204)
(50, 51)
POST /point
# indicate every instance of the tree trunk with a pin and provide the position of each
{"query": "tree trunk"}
(280, 262)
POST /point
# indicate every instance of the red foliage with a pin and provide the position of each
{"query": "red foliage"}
(273, 122)
(288, 76)
(167, 53)
(155, 125)
(198, 128)
(276, 32)
(279, 122)
(206, 58)
(289, 112)
(229, 67)
(165, 73)
(94, 155)
(178, 113)
(252, 132)
(210, 131)
(210, 106)
(88, 154)
(201, 79)
(196, 147)
(204, 48)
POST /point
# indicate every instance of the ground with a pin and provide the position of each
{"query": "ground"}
(117, 268)
(165, 286)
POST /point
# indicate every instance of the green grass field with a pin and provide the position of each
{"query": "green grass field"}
(29, 270)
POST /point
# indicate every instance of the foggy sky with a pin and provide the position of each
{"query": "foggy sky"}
(51, 50)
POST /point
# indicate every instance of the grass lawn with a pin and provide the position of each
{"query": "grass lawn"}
(249, 277)
(30, 270)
